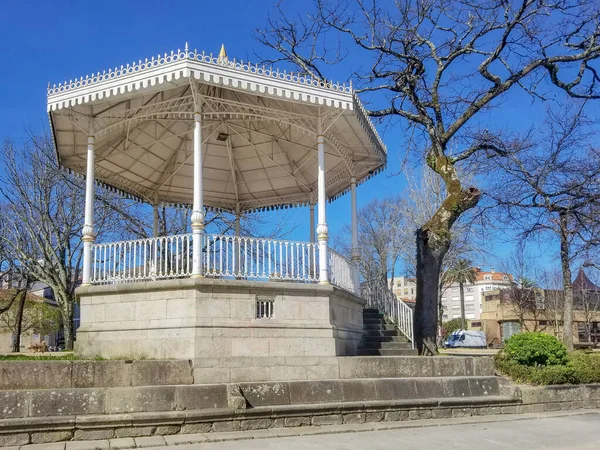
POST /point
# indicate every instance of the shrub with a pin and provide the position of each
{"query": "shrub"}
(535, 349)
(586, 366)
(578, 368)
(546, 375)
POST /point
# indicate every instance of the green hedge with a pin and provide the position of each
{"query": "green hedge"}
(535, 349)
(532, 358)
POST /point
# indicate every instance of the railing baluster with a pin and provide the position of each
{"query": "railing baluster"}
(245, 272)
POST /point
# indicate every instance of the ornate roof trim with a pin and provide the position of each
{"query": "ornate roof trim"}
(202, 66)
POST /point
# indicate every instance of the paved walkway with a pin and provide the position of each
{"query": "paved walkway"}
(572, 432)
(575, 430)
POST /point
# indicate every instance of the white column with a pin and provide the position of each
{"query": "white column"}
(312, 223)
(322, 230)
(237, 246)
(198, 209)
(237, 222)
(354, 228)
(88, 223)
(311, 258)
(155, 224)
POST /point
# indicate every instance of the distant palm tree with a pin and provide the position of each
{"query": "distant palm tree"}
(462, 272)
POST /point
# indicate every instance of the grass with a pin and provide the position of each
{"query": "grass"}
(65, 357)
(34, 357)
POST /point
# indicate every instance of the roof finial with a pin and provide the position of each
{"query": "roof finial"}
(222, 55)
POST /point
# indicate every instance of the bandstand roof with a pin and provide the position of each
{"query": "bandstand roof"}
(259, 131)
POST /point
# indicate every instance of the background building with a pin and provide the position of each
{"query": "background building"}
(405, 288)
(474, 293)
(510, 311)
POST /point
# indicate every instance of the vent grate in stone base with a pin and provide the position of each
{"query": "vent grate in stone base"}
(265, 308)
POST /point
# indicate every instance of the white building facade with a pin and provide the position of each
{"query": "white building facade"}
(405, 288)
(474, 294)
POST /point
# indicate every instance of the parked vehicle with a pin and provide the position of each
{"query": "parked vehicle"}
(466, 339)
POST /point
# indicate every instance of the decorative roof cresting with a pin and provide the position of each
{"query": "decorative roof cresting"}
(186, 54)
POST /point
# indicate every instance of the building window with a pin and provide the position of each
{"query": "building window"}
(543, 323)
(470, 289)
(487, 277)
(475, 324)
(539, 301)
(505, 278)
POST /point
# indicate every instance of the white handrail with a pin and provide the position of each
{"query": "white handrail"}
(258, 258)
(223, 257)
(342, 272)
(142, 259)
(378, 295)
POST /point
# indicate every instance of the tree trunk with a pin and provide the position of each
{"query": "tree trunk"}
(19, 324)
(66, 309)
(433, 242)
(463, 317)
(565, 262)
(429, 263)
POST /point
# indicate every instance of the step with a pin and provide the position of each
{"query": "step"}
(370, 310)
(373, 321)
(377, 352)
(379, 326)
(372, 315)
(385, 345)
(215, 423)
(367, 338)
(382, 333)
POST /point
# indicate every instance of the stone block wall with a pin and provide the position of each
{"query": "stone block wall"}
(206, 319)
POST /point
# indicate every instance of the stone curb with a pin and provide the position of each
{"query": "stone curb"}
(158, 441)
(134, 425)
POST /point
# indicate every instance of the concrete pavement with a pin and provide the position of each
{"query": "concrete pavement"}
(569, 432)
(561, 430)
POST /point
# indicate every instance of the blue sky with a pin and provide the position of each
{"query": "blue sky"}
(43, 42)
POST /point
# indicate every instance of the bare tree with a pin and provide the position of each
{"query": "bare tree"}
(42, 219)
(382, 226)
(554, 299)
(551, 183)
(437, 65)
(525, 299)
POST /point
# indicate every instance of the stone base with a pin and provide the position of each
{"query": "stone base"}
(210, 319)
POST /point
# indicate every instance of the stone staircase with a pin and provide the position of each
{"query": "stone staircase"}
(381, 337)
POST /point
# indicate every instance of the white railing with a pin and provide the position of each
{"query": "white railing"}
(343, 272)
(257, 258)
(142, 259)
(378, 295)
(230, 257)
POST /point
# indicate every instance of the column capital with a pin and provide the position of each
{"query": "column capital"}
(197, 117)
(91, 140)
